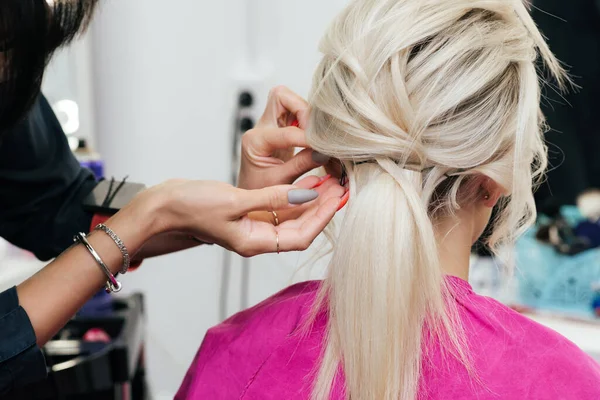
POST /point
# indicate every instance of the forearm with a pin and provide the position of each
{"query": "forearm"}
(166, 243)
(56, 293)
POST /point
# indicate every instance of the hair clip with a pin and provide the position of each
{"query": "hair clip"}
(343, 176)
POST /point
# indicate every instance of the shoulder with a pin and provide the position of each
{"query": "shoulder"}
(563, 368)
(264, 326)
(282, 312)
(274, 318)
(516, 346)
(243, 343)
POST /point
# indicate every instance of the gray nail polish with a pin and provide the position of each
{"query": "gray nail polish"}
(301, 196)
(319, 158)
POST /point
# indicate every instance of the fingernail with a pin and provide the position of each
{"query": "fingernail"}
(322, 181)
(319, 158)
(301, 196)
(344, 201)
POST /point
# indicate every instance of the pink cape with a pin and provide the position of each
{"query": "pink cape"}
(266, 353)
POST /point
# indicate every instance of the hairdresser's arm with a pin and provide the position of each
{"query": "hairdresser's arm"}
(53, 296)
(176, 241)
(31, 314)
(166, 243)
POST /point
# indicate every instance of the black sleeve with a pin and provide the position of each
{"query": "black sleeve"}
(21, 360)
(42, 186)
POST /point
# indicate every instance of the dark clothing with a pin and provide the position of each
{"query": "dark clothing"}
(573, 32)
(21, 360)
(42, 187)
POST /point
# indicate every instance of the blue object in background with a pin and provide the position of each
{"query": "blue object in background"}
(553, 281)
(590, 231)
(89, 159)
(596, 304)
(97, 167)
(101, 305)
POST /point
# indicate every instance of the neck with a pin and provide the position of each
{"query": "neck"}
(454, 243)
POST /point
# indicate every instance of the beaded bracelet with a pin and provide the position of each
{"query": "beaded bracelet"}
(120, 245)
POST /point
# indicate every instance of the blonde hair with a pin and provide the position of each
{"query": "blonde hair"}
(417, 97)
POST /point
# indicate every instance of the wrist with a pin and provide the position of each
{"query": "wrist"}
(166, 203)
(159, 203)
(136, 223)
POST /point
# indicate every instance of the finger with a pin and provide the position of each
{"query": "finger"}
(344, 201)
(263, 237)
(269, 140)
(281, 101)
(293, 218)
(299, 165)
(283, 215)
(301, 238)
(310, 182)
(262, 216)
(296, 216)
(326, 187)
(273, 198)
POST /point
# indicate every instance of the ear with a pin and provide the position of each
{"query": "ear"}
(491, 192)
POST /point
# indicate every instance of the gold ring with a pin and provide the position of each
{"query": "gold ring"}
(277, 238)
(276, 218)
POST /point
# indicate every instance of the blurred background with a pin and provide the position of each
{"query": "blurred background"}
(153, 92)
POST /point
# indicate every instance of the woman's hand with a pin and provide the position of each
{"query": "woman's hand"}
(325, 186)
(210, 211)
(268, 150)
(215, 212)
(170, 242)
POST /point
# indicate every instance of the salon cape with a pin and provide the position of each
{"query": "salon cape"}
(267, 353)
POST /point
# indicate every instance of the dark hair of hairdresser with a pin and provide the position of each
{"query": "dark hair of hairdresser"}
(30, 32)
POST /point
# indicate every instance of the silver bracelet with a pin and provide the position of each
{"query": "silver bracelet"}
(112, 285)
(120, 245)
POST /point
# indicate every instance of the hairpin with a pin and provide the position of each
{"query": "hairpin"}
(343, 176)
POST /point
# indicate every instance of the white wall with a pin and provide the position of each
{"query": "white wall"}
(68, 78)
(166, 76)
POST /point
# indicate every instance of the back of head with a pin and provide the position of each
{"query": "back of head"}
(417, 98)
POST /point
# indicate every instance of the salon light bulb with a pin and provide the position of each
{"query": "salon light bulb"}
(73, 143)
(67, 112)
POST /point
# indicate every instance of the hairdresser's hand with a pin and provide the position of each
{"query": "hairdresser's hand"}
(217, 213)
(268, 150)
(326, 186)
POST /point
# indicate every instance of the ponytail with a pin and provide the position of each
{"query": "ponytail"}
(384, 285)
